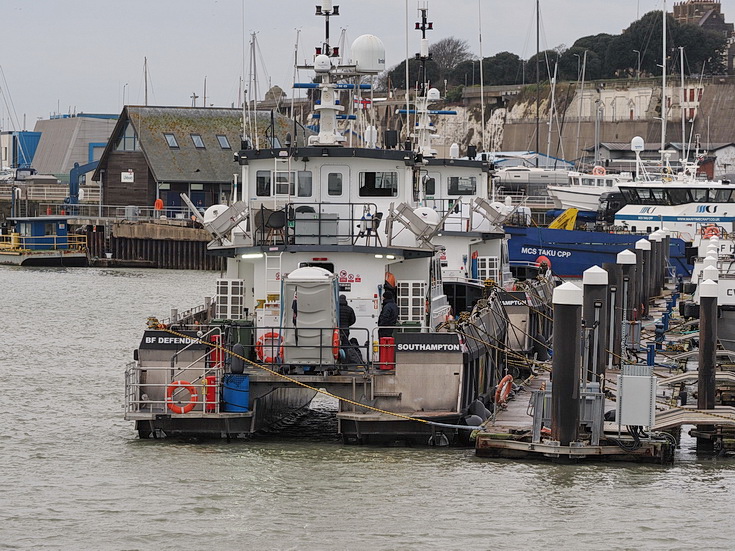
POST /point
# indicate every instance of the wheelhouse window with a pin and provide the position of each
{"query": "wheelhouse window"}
(378, 184)
(429, 185)
(224, 143)
(285, 183)
(304, 188)
(679, 196)
(721, 195)
(198, 142)
(699, 195)
(334, 183)
(263, 183)
(462, 185)
(171, 140)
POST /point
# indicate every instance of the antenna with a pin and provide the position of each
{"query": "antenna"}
(145, 78)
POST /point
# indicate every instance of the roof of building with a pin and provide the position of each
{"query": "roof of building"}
(187, 162)
(66, 140)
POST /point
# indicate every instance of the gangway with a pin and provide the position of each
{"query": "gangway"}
(689, 376)
(676, 417)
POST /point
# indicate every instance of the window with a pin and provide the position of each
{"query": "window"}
(679, 196)
(263, 183)
(378, 184)
(334, 183)
(304, 183)
(171, 140)
(49, 228)
(721, 195)
(128, 140)
(198, 142)
(699, 195)
(429, 185)
(285, 183)
(462, 186)
(411, 301)
(224, 143)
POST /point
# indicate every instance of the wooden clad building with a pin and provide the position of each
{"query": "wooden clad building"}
(161, 152)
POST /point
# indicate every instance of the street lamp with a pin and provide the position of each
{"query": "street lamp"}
(579, 61)
(638, 72)
(123, 94)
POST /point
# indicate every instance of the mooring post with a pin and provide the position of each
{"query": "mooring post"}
(615, 307)
(595, 316)
(643, 292)
(707, 357)
(667, 253)
(627, 261)
(656, 262)
(565, 366)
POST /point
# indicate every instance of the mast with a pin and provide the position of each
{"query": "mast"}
(581, 98)
(145, 74)
(482, 80)
(663, 89)
(538, 77)
(684, 145)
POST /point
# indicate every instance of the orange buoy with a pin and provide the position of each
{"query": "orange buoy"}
(193, 396)
(503, 390)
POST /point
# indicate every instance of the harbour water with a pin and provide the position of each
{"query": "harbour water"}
(75, 476)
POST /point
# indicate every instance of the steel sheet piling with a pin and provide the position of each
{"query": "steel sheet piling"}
(565, 368)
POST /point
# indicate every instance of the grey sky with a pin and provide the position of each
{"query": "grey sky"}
(81, 55)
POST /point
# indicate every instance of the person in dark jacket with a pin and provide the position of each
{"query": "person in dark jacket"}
(346, 320)
(388, 315)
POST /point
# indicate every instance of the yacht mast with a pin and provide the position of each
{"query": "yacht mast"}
(663, 89)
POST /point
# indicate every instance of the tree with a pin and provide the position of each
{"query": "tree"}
(397, 74)
(448, 53)
(502, 68)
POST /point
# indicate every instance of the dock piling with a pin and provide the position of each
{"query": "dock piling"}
(595, 314)
(707, 358)
(565, 367)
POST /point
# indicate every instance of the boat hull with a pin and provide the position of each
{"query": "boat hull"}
(44, 258)
(571, 252)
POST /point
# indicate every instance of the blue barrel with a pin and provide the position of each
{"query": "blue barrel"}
(235, 392)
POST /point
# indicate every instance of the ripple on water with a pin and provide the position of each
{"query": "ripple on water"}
(75, 477)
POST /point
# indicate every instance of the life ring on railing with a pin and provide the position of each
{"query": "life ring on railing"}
(711, 231)
(260, 345)
(193, 396)
(335, 344)
(503, 390)
(599, 171)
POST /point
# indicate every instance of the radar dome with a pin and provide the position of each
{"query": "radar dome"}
(637, 144)
(368, 54)
(433, 94)
(213, 212)
(322, 64)
(428, 215)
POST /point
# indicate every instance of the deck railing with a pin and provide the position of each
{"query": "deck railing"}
(17, 241)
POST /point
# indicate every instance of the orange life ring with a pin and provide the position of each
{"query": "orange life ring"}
(193, 396)
(335, 344)
(503, 390)
(260, 345)
(711, 231)
(599, 171)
